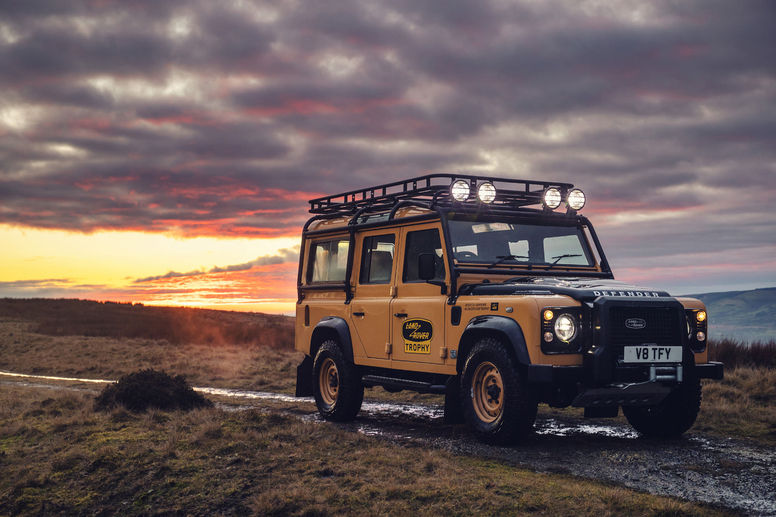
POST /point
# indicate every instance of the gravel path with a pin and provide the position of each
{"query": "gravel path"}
(727, 472)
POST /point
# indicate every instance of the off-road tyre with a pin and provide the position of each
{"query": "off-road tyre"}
(337, 386)
(496, 402)
(672, 417)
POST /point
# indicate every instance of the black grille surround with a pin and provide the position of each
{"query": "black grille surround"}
(659, 325)
(659, 321)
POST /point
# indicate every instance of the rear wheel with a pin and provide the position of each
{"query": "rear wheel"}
(337, 384)
(672, 417)
(496, 403)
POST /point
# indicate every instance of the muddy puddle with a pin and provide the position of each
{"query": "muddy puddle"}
(726, 472)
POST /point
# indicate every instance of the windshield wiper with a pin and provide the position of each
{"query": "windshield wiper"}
(561, 257)
(502, 258)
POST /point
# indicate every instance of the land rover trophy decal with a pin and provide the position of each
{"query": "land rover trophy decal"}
(417, 336)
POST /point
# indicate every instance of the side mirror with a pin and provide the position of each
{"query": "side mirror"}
(426, 266)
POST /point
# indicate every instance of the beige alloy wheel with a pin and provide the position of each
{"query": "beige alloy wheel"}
(487, 392)
(328, 382)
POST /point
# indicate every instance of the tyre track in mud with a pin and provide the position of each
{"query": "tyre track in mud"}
(730, 473)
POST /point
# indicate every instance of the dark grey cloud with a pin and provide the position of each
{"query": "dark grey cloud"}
(207, 118)
(283, 256)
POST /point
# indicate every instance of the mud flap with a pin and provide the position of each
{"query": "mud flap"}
(453, 407)
(304, 378)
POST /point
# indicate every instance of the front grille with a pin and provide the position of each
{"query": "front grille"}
(659, 325)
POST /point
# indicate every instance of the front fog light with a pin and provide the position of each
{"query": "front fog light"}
(486, 192)
(552, 198)
(460, 190)
(576, 199)
(565, 327)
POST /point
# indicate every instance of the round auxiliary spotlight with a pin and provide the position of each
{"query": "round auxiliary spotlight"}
(460, 190)
(576, 199)
(552, 198)
(486, 192)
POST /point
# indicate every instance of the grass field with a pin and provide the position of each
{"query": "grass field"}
(60, 456)
(57, 455)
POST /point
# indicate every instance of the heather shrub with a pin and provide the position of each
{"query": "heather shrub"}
(145, 389)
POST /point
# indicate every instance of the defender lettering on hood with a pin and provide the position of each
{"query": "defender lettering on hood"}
(579, 289)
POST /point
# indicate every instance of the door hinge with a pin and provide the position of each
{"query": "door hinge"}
(388, 349)
(393, 291)
(443, 352)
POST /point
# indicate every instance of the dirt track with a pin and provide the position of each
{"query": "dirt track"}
(730, 473)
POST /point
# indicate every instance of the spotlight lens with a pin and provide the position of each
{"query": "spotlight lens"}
(552, 198)
(460, 190)
(576, 199)
(565, 327)
(700, 316)
(486, 192)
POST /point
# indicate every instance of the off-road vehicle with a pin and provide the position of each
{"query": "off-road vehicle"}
(480, 289)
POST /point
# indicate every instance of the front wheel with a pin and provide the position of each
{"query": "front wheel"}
(672, 417)
(496, 403)
(337, 384)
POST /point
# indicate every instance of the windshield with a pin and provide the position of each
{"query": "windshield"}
(503, 243)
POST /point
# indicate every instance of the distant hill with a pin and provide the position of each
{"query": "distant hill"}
(64, 317)
(744, 315)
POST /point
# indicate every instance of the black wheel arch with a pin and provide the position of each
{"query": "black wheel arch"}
(505, 329)
(332, 327)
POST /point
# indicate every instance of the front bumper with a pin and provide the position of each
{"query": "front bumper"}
(628, 385)
(557, 375)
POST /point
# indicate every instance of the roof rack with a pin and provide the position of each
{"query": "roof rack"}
(434, 189)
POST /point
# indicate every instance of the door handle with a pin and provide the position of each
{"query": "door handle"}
(400, 314)
(358, 314)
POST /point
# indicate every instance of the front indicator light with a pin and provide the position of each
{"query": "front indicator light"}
(552, 198)
(700, 316)
(565, 327)
(460, 190)
(548, 315)
(576, 199)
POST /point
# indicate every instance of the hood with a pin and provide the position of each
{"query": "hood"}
(582, 289)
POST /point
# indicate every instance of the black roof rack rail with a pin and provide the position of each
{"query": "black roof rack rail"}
(435, 189)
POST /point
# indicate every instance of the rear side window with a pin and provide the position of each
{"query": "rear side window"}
(377, 259)
(329, 261)
(422, 241)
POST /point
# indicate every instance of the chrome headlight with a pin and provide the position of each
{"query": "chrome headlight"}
(565, 327)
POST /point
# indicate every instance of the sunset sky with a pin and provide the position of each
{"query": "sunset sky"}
(164, 151)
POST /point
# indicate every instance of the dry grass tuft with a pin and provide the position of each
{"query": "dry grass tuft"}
(735, 354)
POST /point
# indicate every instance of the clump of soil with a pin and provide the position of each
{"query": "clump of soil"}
(145, 389)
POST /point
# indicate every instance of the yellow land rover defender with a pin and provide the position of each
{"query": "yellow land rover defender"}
(480, 289)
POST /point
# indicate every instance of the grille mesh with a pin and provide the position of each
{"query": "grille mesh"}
(663, 326)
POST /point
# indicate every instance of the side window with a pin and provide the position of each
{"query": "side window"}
(422, 241)
(329, 261)
(377, 259)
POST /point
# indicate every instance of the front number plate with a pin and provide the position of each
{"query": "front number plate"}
(653, 354)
